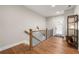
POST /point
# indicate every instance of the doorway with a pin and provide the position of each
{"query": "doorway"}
(59, 26)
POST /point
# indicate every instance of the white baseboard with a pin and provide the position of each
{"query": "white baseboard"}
(10, 46)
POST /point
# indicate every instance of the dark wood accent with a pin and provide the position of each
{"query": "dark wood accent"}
(73, 38)
(70, 41)
(46, 33)
(30, 36)
(53, 45)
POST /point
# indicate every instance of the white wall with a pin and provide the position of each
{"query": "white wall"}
(57, 23)
(66, 14)
(52, 21)
(76, 10)
(14, 20)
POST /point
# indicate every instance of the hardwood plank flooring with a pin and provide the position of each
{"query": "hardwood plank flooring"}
(54, 45)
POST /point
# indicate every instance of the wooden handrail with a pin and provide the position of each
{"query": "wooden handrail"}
(46, 33)
(37, 30)
(40, 31)
(32, 35)
(43, 33)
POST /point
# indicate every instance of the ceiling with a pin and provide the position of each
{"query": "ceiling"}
(49, 10)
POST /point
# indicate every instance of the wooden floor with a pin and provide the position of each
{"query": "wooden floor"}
(54, 45)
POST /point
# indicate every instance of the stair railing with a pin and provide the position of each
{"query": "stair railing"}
(30, 33)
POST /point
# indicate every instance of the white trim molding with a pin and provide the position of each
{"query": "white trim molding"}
(10, 46)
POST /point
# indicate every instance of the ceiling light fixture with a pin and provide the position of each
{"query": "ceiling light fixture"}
(60, 12)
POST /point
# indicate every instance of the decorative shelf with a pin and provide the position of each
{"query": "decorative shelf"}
(72, 30)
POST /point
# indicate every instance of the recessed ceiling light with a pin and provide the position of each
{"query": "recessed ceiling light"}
(53, 5)
(60, 12)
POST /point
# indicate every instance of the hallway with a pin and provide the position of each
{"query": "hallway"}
(54, 45)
